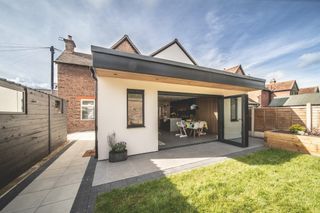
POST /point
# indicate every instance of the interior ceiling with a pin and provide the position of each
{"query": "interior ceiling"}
(174, 97)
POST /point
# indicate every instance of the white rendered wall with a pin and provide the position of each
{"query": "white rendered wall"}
(232, 129)
(112, 112)
(174, 53)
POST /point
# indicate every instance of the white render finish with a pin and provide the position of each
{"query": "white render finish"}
(112, 109)
(232, 129)
(174, 53)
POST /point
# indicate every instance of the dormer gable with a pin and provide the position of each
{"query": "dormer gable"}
(236, 69)
(174, 51)
(125, 44)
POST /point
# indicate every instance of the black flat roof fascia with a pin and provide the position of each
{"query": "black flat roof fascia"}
(112, 59)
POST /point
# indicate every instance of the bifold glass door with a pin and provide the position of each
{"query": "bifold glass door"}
(235, 120)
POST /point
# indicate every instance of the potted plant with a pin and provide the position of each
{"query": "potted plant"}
(118, 150)
(297, 129)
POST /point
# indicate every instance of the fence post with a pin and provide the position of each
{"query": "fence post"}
(49, 124)
(252, 121)
(309, 116)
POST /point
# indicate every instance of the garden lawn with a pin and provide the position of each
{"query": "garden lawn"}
(265, 181)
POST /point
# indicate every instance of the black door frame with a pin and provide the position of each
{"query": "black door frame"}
(244, 122)
(220, 100)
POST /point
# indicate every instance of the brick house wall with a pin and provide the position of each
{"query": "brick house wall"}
(260, 96)
(75, 83)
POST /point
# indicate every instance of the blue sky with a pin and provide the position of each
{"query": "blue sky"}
(270, 38)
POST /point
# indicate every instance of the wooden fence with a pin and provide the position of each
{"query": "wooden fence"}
(281, 118)
(28, 136)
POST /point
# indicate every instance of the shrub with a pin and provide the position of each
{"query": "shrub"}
(116, 146)
(295, 128)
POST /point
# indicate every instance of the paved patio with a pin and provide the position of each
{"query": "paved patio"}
(55, 189)
(168, 161)
(72, 182)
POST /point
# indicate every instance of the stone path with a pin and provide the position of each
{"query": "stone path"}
(55, 189)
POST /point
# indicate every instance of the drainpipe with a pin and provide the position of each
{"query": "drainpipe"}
(94, 76)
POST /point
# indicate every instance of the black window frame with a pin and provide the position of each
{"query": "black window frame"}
(24, 92)
(234, 100)
(141, 92)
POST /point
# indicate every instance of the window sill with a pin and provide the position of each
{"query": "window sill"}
(133, 127)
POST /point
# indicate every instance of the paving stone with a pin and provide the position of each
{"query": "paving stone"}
(26, 201)
(61, 193)
(62, 206)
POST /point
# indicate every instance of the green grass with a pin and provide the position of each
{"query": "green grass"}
(266, 181)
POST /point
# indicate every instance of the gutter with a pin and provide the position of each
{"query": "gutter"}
(94, 76)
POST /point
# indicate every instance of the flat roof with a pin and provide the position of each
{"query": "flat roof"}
(115, 60)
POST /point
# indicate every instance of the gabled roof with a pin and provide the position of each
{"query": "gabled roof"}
(281, 86)
(124, 39)
(175, 41)
(75, 58)
(236, 69)
(296, 100)
(306, 90)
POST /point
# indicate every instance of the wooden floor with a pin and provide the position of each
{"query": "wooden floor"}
(170, 140)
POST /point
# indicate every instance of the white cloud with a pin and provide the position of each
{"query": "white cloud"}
(278, 75)
(214, 23)
(309, 59)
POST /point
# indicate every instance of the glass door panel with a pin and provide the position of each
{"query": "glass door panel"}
(235, 115)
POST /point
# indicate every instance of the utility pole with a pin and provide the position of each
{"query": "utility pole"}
(52, 68)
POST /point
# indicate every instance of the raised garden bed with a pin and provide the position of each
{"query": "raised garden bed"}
(291, 142)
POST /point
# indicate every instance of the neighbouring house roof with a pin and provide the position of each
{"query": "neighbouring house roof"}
(84, 59)
(236, 69)
(126, 38)
(281, 86)
(175, 41)
(109, 59)
(296, 100)
(307, 90)
(74, 58)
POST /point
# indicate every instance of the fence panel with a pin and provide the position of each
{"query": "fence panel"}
(24, 137)
(281, 118)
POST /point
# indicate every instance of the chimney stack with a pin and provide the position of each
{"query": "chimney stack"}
(69, 44)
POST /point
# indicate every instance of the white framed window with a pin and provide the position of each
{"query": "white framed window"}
(87, 109)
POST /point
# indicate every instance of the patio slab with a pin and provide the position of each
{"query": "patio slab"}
(167, 161)
(55, 189)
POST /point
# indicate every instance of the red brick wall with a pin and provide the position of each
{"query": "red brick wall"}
(75, 83)
(265, 98)
(260, 96)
